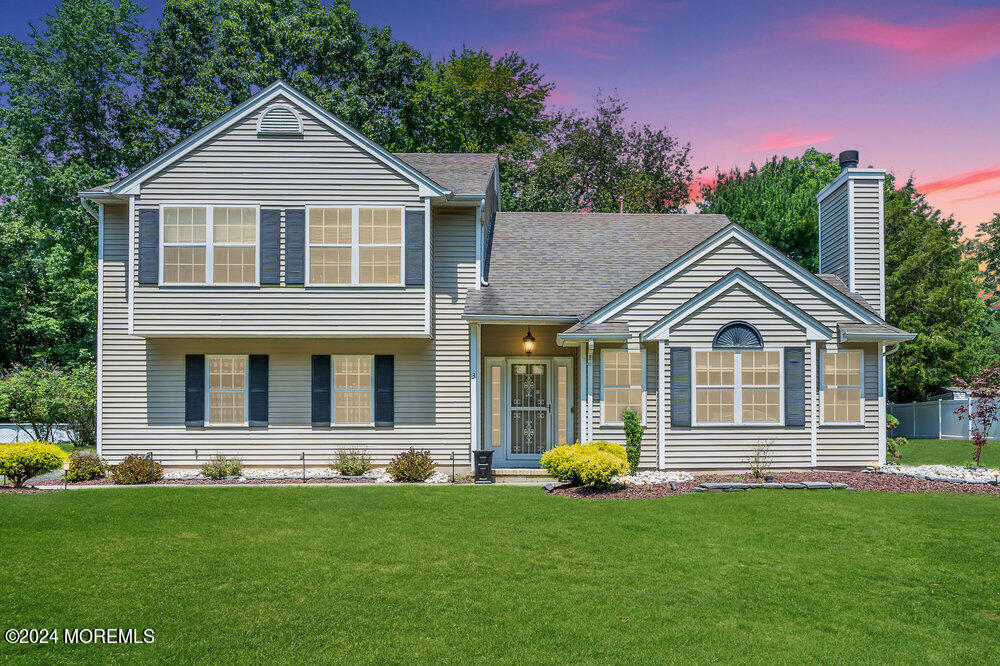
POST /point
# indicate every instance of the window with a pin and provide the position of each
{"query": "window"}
(841, 395)
(352, 390)
(227, 390)
(209, 245)
(738, 387)
(355, 245)
(622, 384)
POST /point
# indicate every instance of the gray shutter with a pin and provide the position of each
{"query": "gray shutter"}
(149, 246)
(258, 390)
(295, 245)
(321, 390)
(795, 386)
(414, 247)
(384, 390)
(194, 390)
(270, 245)
(680, 386)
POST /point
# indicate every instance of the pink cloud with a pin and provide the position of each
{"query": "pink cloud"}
(789, 139)
(966, 37)
(698, 184)
(559, 97)
(961, 180)
(992, 194)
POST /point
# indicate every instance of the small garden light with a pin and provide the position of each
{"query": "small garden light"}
(65, 467)
(529, 343)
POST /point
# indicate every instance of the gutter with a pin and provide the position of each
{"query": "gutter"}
(87, 207)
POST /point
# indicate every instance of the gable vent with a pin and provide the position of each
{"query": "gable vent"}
(279, 119)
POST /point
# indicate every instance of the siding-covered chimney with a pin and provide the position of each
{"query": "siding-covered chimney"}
(851, 232)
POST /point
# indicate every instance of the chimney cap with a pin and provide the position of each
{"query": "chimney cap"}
(848, 159)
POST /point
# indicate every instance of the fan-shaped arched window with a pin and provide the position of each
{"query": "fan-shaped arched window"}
(738, 335)
(279, 119)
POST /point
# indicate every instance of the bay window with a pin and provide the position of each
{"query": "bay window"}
(842, 382)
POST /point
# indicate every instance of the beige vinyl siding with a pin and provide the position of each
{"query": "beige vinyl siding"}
(143, 401)
(319, 168)
(729, 447)
(834, 234)
(616, 433)
(868, 240)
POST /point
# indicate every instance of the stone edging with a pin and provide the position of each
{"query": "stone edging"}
(732, 487)
(932, 477)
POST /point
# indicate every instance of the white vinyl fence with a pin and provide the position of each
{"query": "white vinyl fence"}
(12, 433)
(935, 419)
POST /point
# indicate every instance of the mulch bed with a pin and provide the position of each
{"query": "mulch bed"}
(891, 483)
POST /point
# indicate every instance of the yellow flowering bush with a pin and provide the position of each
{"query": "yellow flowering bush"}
(20, 462)
(594, 464)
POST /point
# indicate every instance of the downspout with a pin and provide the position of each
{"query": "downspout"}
(890, 352)
(87, 207)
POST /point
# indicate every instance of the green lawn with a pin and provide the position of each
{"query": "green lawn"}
(475, 573)
(946, 452)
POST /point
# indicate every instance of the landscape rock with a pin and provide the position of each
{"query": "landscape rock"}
(794, 486)
(817, 485)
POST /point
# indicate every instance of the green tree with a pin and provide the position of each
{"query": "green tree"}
(931, 290)
(598, 163)
(69, 122)
(776, 201)
(987, 251)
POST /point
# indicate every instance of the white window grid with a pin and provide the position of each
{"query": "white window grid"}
(737, 388)
(642, 400)
(209, 244)
(245, 390)
(370, 390)
(356, 246)
(860, 386)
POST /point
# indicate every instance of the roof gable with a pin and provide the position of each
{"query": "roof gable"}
(131, 184)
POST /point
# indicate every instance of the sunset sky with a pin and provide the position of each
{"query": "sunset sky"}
(915, 87)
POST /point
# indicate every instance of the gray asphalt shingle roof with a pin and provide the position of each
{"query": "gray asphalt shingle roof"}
(838, 284)
(571, 264)
(854, 329)
(462, 173)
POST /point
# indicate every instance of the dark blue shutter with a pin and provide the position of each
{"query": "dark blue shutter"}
(414, 247)
(795, 386)
(680, 386)
(194, 390)
(149, 246)
(295, 245)
(270, 245)
(321, 390)
(384, 391)
(258, 390)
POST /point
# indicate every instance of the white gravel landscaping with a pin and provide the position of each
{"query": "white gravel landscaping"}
(652, 477)
(942, 471)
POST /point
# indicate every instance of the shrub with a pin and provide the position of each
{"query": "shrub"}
(411, 466)
(221, 467)
(633, 438)
(42, 396)
(136, 469)
(80, 404)
(20, 462)
(353, 463)
(893, 444)
(761, 459)
(86, 465)
(594, 464)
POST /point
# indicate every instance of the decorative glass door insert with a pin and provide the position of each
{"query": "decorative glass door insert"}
(529, 408)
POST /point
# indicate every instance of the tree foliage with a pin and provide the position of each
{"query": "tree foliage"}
(776, 201)
(599, 163)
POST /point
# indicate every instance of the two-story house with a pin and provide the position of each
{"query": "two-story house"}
(278, 284)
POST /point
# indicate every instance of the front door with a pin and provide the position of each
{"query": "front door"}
(530, 408)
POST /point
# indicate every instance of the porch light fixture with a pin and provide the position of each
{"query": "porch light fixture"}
(529, 343)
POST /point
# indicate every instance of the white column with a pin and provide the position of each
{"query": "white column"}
(582, 412)
(130, 264)
(881, 405)
(661, 402)
(100, 327)
(474, 392)
(590, 390)
(813, 402)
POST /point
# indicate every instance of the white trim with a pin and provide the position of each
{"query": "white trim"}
(474, 405)
(834, 184)
(567, 418)
(724, 235)
(209, 244)
(582, 411)
(590, 391)
(819, 234)
(130, 266)
(661, 401)
(521, 319)
(479, 246)
(813, 404)
(737, 388)
(273, 107)
(246, 391)
(642, 408)
(882, 405)
(661, 329)
(131, 183)
(881, 250)
(489, 363)
(851, 259)
(334, 390)
(100, 328)
(356, 246)
(428, 274)
(822, 387)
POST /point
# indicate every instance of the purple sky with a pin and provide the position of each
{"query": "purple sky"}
(914, 87)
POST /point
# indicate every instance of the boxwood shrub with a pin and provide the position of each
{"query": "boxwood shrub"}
(411, 466)
(84, 466)
(595, 464)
